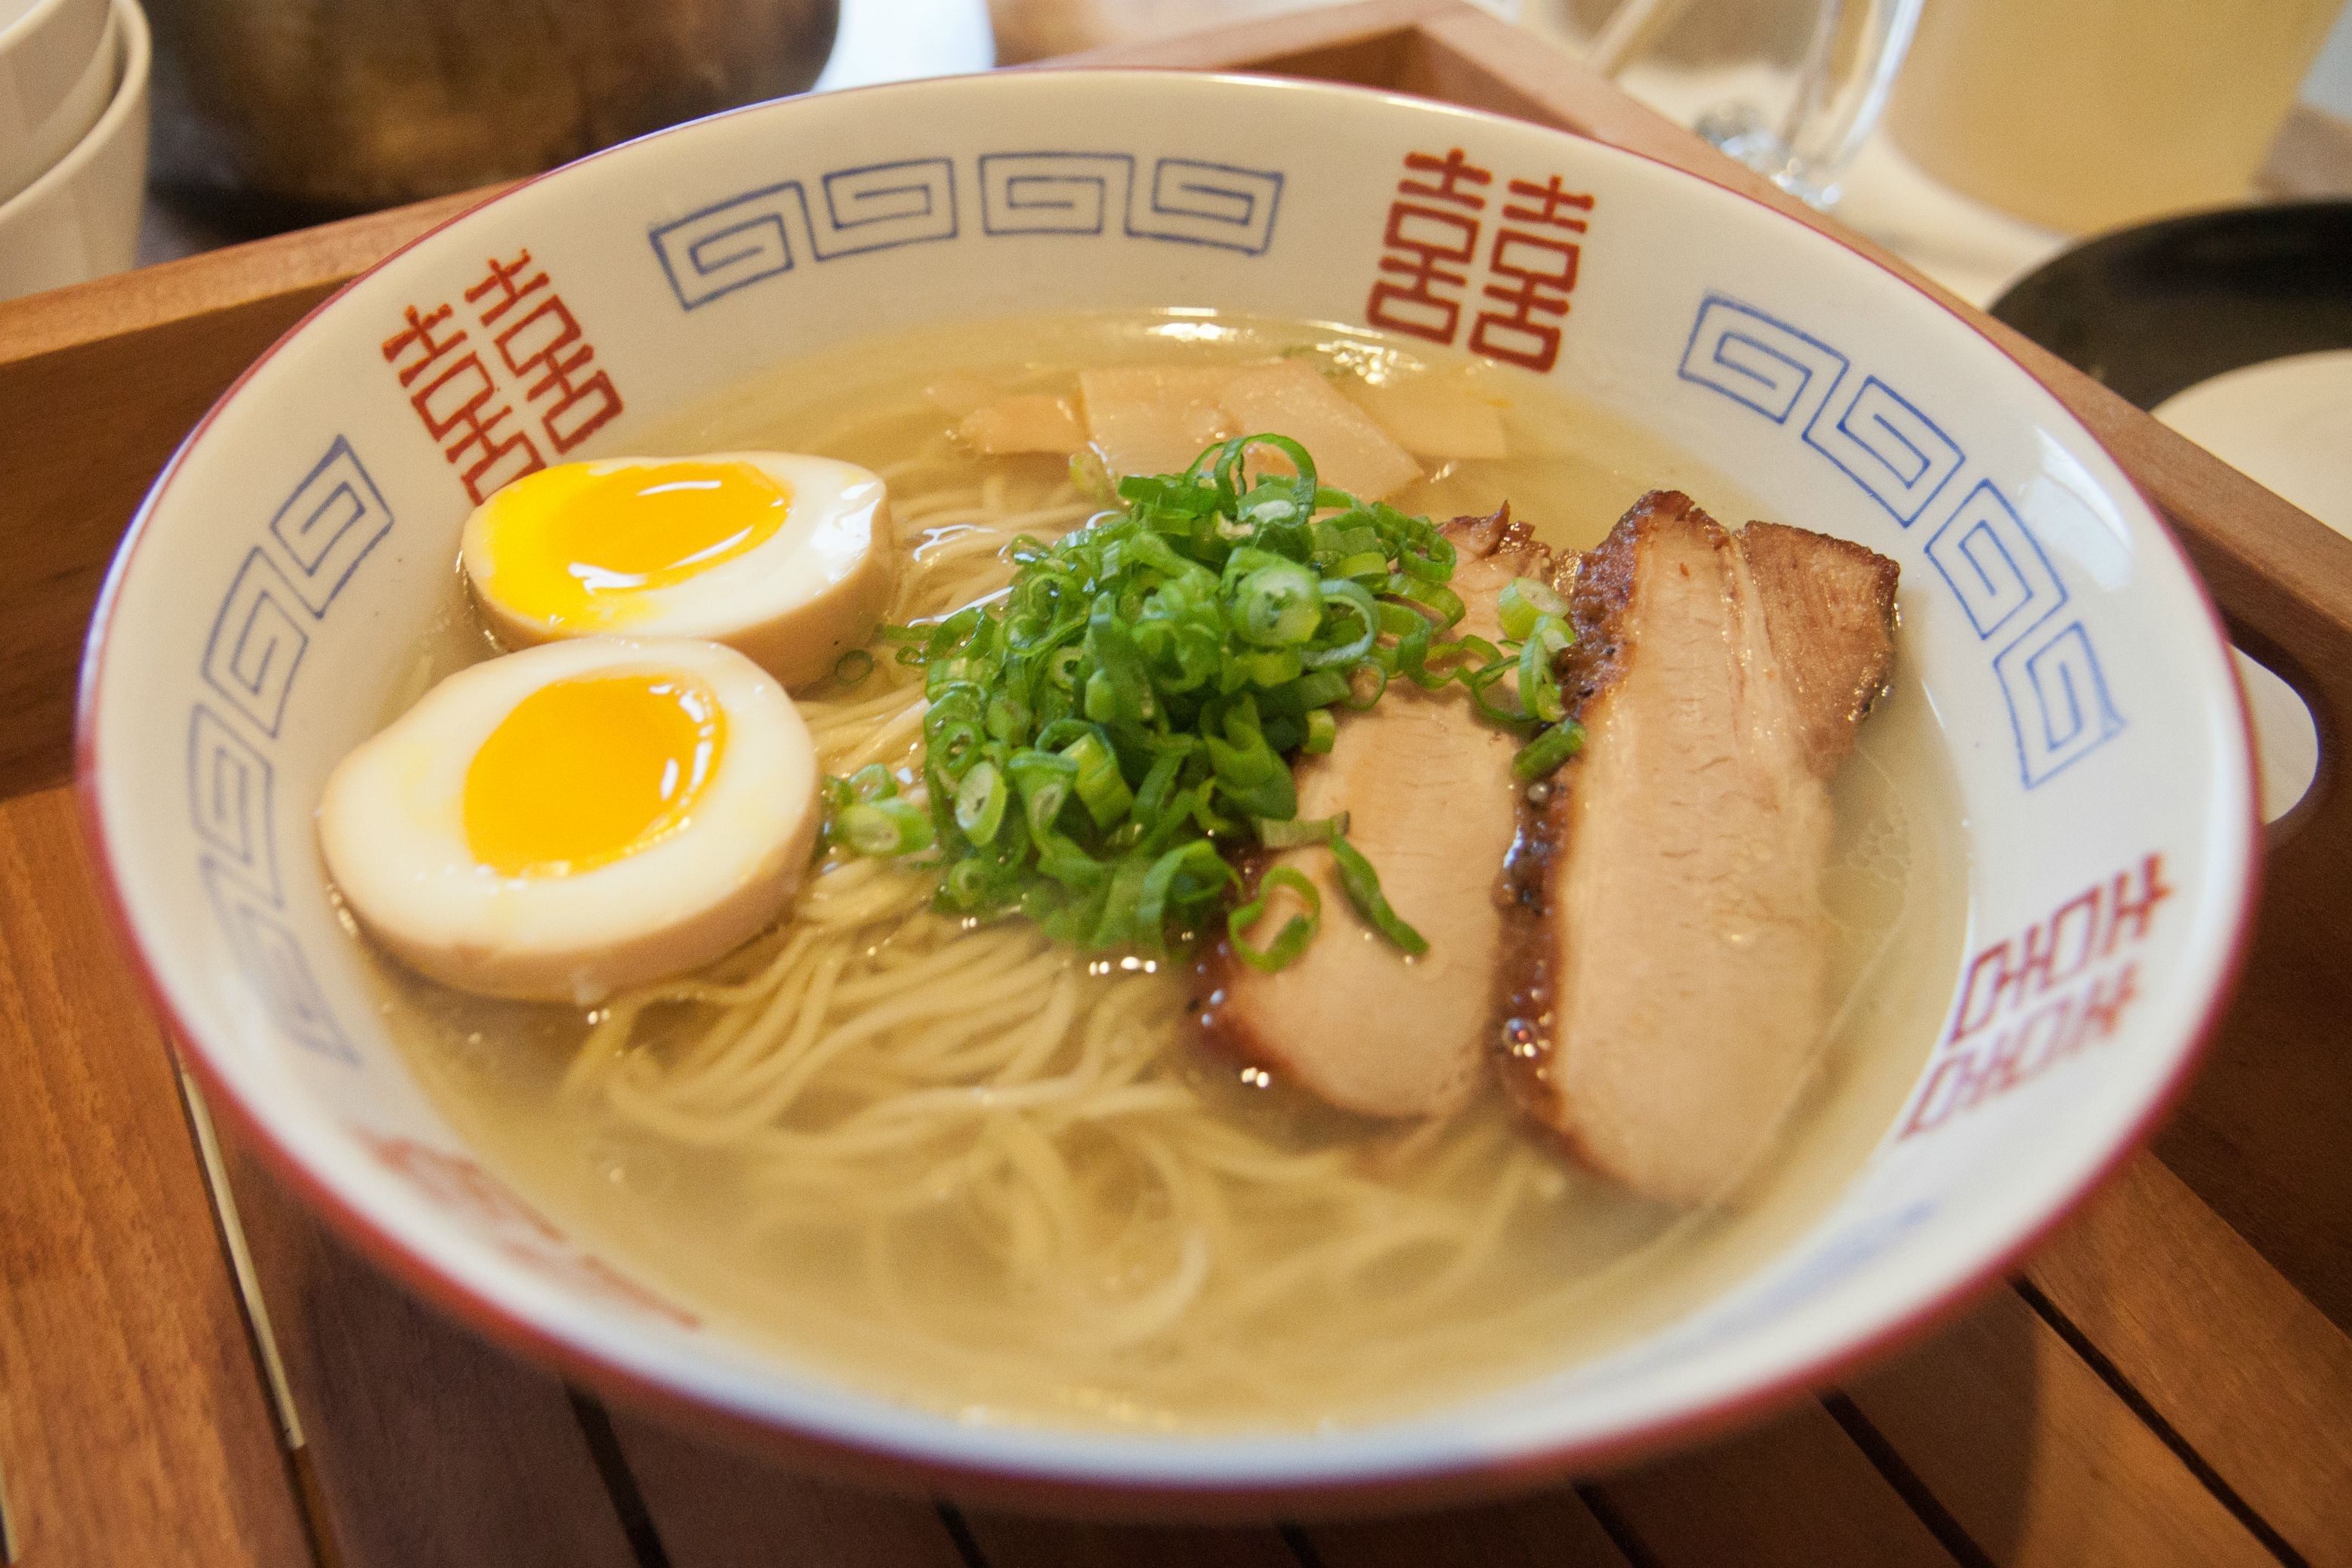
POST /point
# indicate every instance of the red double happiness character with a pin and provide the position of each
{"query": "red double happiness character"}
(460, 400)
(546, 348)
(1430, 235)
(1533, 271)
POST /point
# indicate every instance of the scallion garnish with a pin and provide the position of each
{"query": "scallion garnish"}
(1363, 887)
(1102, 735)
(891, 826)
(1524, 600)
(1554, 746)
(1139, 691)
(1296, 933)
(980, 802)
(1301, 830)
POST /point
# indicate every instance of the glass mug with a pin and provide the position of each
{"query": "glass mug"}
(1790, 88)
(2081, 115)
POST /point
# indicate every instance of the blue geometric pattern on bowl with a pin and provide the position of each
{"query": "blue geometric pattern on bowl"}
(1985, 556)
(760, 234)
(315, 539)
(1186, 200)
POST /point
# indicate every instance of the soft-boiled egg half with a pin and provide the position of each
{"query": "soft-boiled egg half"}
(786, 558)
(562, 822)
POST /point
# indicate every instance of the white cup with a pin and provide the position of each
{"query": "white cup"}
(79, 218)
(57, 60)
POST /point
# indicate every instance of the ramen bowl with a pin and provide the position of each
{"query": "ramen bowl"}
(291, 560)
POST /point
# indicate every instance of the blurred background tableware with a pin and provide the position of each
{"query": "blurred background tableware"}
(2087, 114)
(325, 106)
(1032, 29)
(2155, 310)
(57, 71)
(81, 217)
(1790, 88)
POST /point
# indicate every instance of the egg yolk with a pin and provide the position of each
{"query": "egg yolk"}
(585, 771)
(573, 548)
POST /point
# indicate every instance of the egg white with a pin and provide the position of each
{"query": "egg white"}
(391, 825)
(794, 603)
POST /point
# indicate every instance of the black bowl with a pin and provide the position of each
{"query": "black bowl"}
(2154, 309)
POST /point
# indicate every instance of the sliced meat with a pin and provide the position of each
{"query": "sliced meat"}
(1669, 951)
(1431, 802)
(1827, 606)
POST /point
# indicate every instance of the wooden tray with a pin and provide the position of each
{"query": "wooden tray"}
(192, 1371)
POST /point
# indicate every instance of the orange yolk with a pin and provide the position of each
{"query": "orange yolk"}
(583, 772)
(573, 547)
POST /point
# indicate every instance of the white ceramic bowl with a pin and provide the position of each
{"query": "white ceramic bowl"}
(281, 572)
(56, 73)
(79, 217)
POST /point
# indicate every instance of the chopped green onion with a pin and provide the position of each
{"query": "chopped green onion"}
(980, 803)
(1431, 594)
(1089, 477)
(1184, 874)
(1522, 600)
(1357, 601)
(1322, 733)
(872, 782)
(1100, 789)
(1321, 688)
(1257, 779)
(1297, 931)
(1291, 833)
(1045, 779)
(1278, 605)
(1165, 665)
(886, 828)
(1554, 746)
(1540, 697)
(853, 666)
(1363, 887)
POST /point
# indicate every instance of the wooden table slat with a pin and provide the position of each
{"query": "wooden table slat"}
(1553, 1529)
(2251, 1375)
(1796, 1493)
(713, 1507)
(2037, 1458)
(429, 1446)
(1017, 1541)
(133, 1427)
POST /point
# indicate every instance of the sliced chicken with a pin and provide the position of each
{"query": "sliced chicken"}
(1431, 802)
(1669, 949)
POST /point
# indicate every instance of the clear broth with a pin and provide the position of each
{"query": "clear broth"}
(1580, 1267)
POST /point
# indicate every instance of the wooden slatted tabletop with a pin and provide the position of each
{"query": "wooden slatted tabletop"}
(192, 1370)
